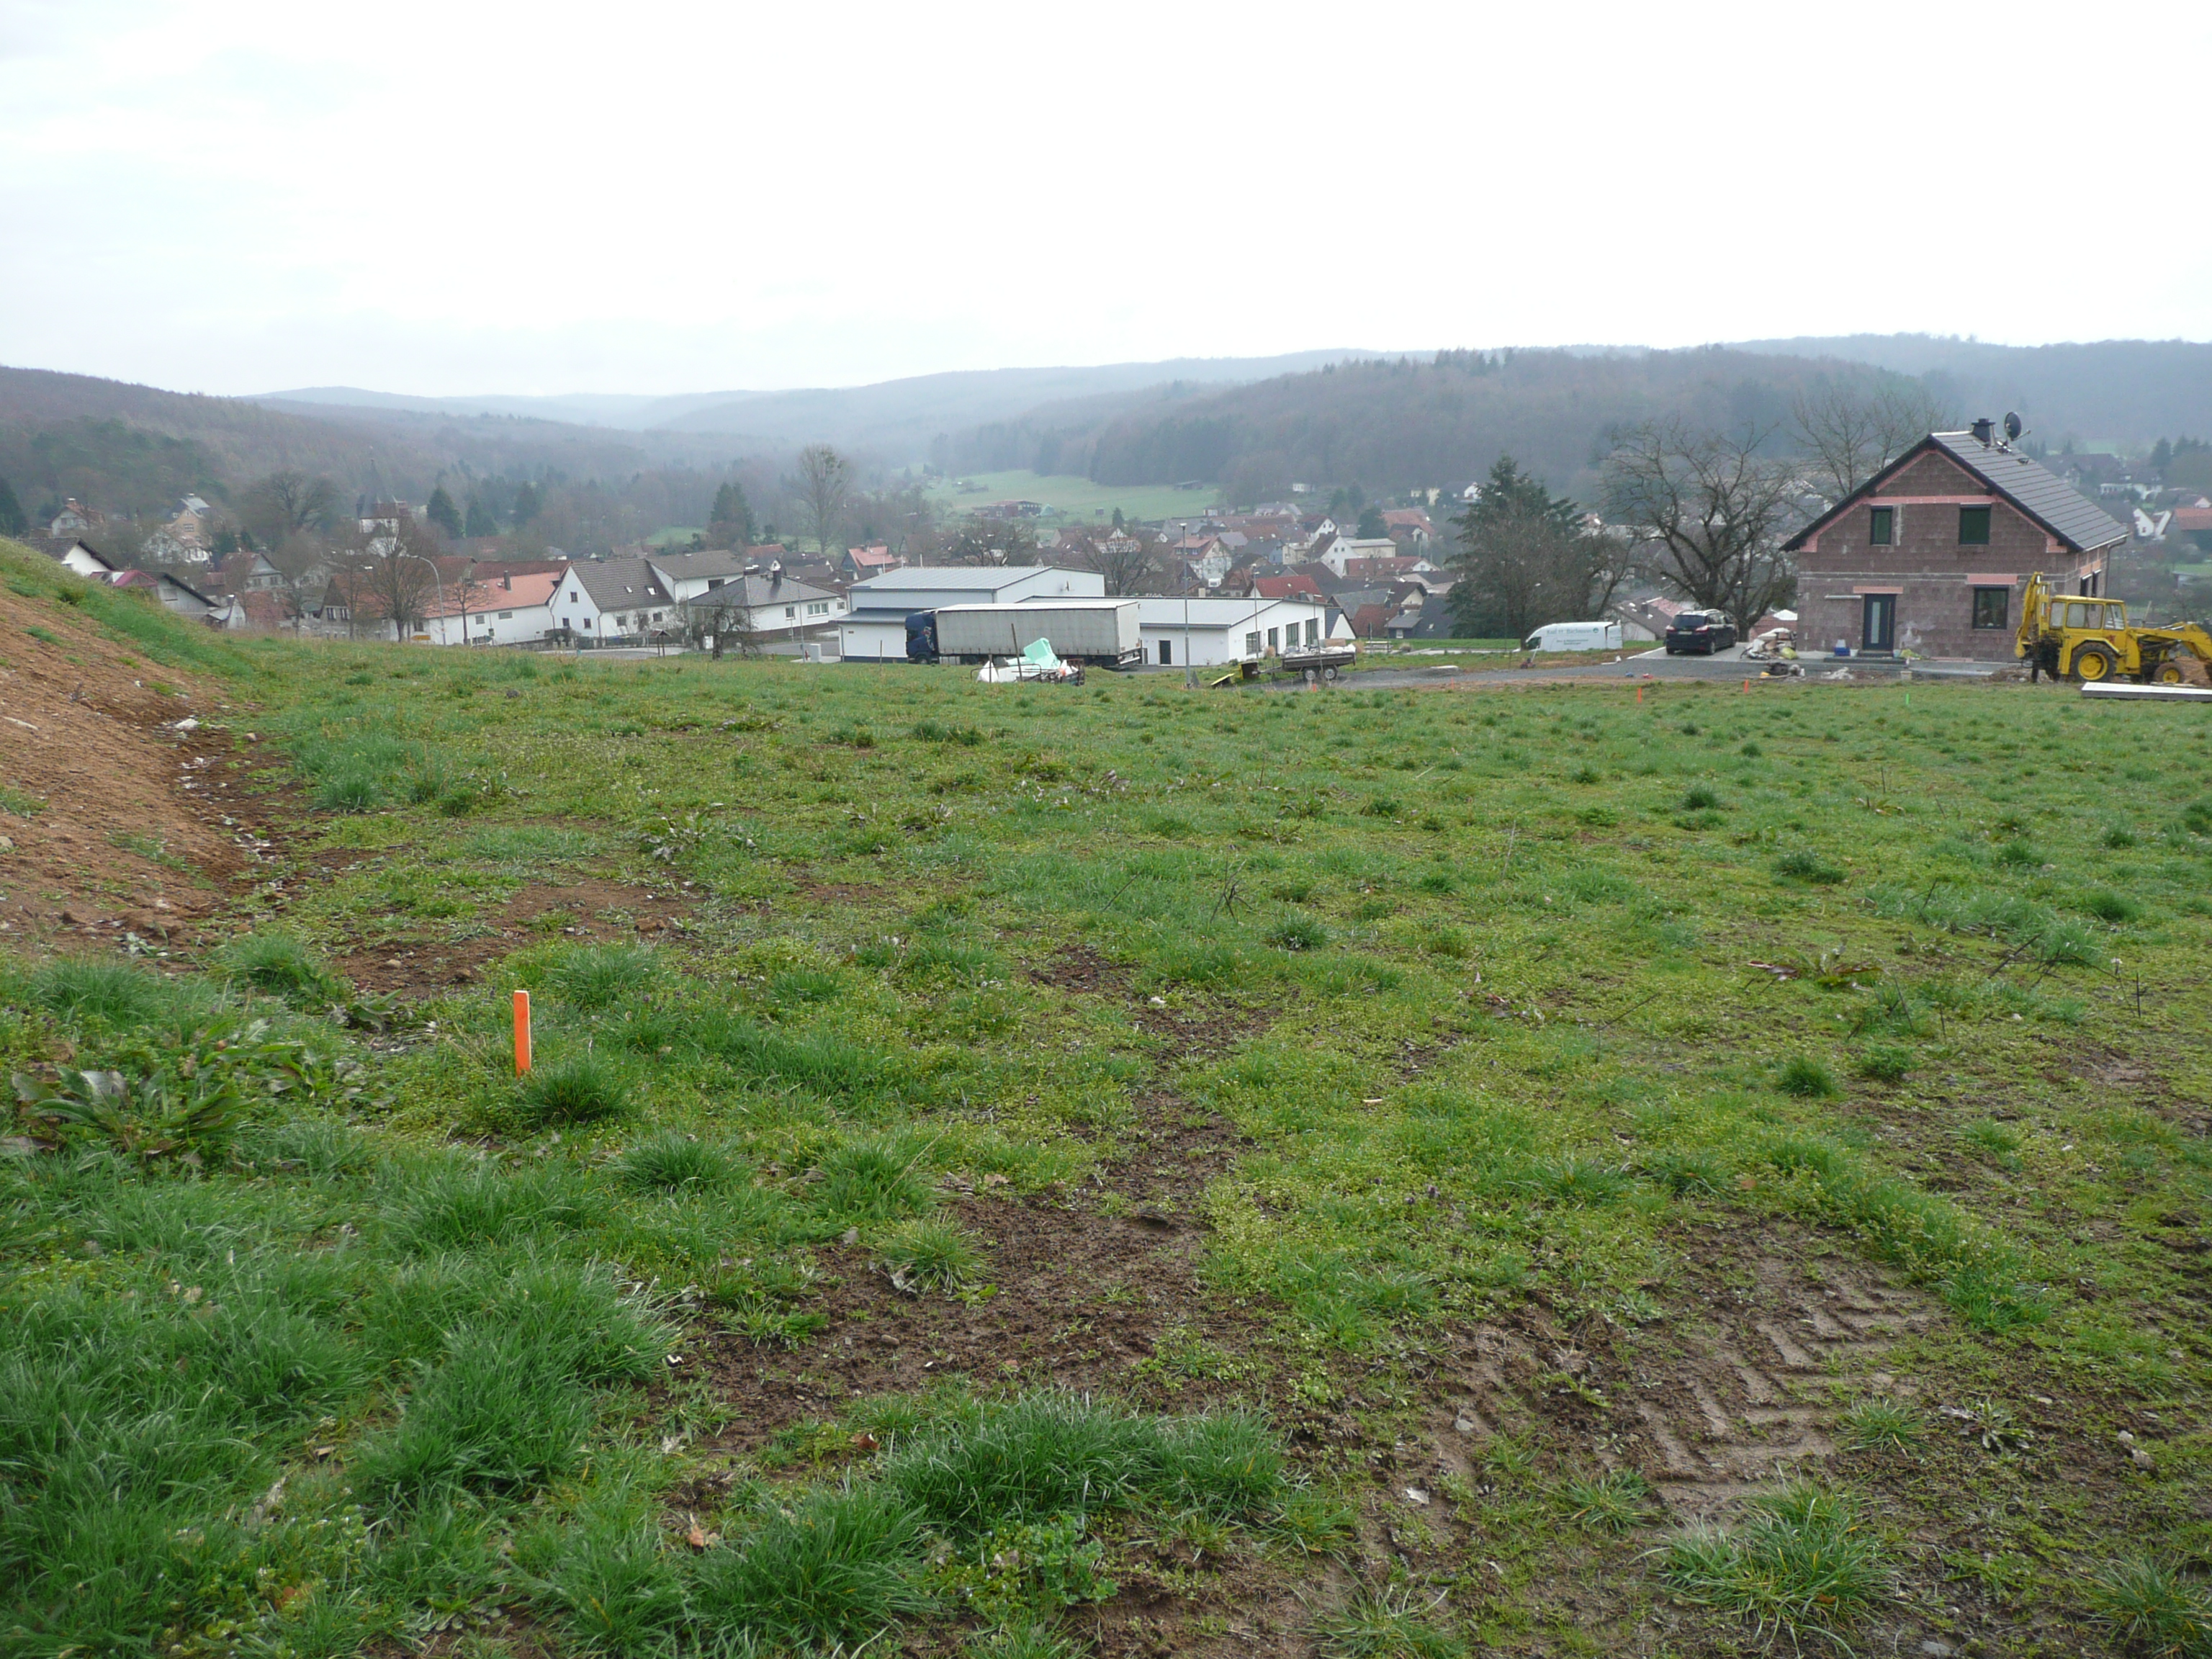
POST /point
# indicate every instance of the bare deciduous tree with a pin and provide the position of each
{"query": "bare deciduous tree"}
(287, 503)
(1126, 563)
(1849, 432)
(722, 623)
(1715, 506)
(392, 577)
(991, 541)
(825, 482)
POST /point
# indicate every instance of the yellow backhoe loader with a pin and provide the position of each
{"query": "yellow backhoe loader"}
(2072, 638)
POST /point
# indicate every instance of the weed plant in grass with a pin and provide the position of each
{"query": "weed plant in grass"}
(580, 1089)
(1804, 1562)
(280, 965)
(1399, 1623)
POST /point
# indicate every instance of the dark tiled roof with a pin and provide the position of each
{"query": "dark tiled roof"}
(2042, 494)
(620, 584)
(2044, 497)
(756, 590)
(712, 561)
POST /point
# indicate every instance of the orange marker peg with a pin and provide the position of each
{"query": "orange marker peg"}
(1639, 694)
(521, 1033)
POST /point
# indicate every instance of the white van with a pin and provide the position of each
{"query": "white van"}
(1575, 636)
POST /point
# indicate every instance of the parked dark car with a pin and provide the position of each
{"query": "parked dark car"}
(1707, 631)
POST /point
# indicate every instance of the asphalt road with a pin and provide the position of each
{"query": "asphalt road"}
(1655, 665)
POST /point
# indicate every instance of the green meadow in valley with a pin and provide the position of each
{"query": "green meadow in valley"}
(1118, 1169)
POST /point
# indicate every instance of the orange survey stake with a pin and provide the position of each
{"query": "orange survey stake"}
(521, 1033)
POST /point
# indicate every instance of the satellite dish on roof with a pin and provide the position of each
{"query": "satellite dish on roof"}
(2012, 428)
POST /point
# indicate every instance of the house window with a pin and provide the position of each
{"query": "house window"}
(791, 611)
(1992, 607)
(1313, 630)
(712, 582)
(1274, 639)
(1973, 527)
(1252, 645)
(822, 608)
(1881, 527)
(507, 616)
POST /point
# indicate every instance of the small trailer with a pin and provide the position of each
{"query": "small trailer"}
(1102, 633)
(1323, 662)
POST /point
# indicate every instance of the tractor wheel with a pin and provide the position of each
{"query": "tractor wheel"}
(2168, 672)
(2092, 664)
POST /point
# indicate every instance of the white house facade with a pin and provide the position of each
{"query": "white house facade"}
(494, 610)
(616, 601)
(1223, 633)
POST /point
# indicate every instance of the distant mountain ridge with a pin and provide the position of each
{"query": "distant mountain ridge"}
(897, 419)
(2129, 391)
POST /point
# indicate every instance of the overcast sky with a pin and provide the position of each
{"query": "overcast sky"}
(458, 198)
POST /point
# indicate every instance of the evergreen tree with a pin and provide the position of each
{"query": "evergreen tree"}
(526, 504)
(1371, 527)
(1118, 523)
(13, 519)
(731, 520)
(480, 521)
(442, 513)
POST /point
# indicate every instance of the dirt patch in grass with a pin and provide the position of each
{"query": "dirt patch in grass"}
(587, 909)
(1076, 1299)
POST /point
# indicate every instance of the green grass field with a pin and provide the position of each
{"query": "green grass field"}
(1079, 501)
(1031, 1170)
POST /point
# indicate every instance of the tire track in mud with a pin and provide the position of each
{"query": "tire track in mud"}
(1739, 1394)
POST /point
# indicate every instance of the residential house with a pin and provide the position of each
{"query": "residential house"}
(164, 546)
(1343, 549)
(245, 572)
(685, 575)
(1408, 526)
(1931, 555)
(617, 601)
(1218, 632)
(79, 559)
(1210, 560)
(166, 591)
(490, 606)
(1368, 572)
(1367, 610)
(2194, 524)
(76, 519)
(1297, 585)
(859, 563)
(763, 607)
(874, 626)
(257, 611)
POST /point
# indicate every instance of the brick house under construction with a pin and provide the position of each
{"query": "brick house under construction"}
(1931, 554)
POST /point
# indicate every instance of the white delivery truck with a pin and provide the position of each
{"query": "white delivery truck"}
(1575, 636)
(1100, 632)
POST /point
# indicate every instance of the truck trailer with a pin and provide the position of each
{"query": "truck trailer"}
(1099, 632)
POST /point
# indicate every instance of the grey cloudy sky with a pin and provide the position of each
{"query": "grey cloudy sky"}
(447, 197)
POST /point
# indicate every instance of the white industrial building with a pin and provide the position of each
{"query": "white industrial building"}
(874, 626)
(1219, 633)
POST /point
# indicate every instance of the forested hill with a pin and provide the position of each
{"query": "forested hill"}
(1397, 424)
(1431, 421)
(2126, 392)
(135, 448)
